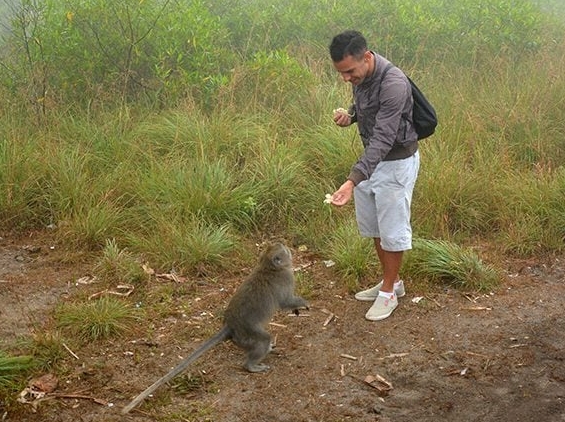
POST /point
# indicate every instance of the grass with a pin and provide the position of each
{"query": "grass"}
(97, 320)
(450, 264)
(47, 348)
(191, 185)
(188, 245)
(188, 184)
(13, 368)
(119, 265)
(190, 383)
(353, 255)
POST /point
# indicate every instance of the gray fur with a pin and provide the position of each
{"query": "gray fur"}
(269, 288)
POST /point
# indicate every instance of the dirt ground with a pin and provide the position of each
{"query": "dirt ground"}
(451, 356)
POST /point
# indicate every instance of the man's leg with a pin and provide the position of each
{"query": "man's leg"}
(390, 262)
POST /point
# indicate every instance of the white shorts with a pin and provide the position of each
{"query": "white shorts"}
(382, 203)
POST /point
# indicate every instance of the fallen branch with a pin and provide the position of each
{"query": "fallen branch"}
(379, 383)
(127, 287)
(70, 351)
(435, 301)
(343, 355)
(478, 308)
(329, 319)
(394, 355)
(78, 396)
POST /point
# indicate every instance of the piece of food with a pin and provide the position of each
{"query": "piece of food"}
(341, 110)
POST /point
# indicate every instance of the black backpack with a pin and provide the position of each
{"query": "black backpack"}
(423, 113)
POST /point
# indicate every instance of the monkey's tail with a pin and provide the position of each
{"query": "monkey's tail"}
(222, 335)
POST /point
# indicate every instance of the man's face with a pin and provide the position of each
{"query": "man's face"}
(355, 70)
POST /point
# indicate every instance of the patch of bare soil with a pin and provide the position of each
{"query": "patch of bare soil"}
(448, 357)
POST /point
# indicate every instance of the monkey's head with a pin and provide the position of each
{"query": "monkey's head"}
(277, 256)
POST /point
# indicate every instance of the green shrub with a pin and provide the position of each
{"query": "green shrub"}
(98, 319)
(446, 262)
(354, 256)
(13, 368)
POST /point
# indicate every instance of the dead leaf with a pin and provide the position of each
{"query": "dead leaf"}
(127, 289)
(46, 383)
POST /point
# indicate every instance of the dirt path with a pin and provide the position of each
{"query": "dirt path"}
(450, 357)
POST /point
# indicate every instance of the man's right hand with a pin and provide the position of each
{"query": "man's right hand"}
(344, 194)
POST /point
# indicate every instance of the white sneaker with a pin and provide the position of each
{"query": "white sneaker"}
(371, 294)
(382, 308)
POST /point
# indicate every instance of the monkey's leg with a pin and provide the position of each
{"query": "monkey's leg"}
(256, 350)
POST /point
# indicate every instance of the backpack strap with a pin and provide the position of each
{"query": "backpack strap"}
(386, 69)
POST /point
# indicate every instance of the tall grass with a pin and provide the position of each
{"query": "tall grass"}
(449, 263)
(119, 265)
(497, 149)
(354, 256)
(96, 320)
(184, 244)
(187, 183)
(12, 368)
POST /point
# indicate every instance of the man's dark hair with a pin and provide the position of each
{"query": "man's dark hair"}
(348, 43)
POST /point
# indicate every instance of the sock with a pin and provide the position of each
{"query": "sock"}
(386, 294)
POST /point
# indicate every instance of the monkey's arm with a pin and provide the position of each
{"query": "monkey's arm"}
(222, 335)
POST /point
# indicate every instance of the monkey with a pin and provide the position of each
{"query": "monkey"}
(269, 288)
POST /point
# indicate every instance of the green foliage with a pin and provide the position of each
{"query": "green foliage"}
(47, 348)
(20, 181)
(272, 80)
(181, 133)
(119, 265)
(98, 319)
(353, 255)
(188, 244)
(100, 50)
(409, 31)
(12, 368)
(446, 262)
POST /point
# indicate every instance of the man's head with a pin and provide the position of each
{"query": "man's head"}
(350, 56)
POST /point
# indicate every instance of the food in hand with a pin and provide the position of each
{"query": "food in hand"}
(341, 110)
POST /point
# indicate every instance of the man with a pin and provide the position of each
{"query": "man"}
(382, 180)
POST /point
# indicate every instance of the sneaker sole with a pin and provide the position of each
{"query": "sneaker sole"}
(373, 298)
(380, 318)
